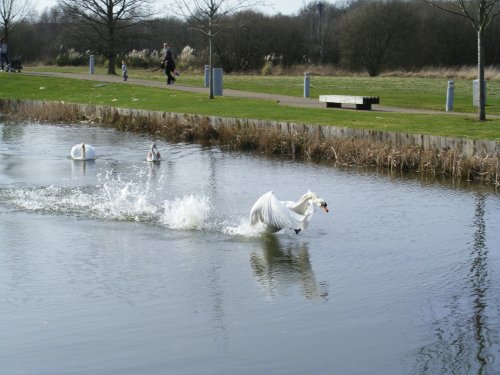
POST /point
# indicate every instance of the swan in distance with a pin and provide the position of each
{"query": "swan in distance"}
(275, 215)
(153, 154)
(83, 151)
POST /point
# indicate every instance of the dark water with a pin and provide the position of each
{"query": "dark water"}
(117, 266)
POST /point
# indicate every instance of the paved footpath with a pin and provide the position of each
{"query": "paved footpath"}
(281, 99)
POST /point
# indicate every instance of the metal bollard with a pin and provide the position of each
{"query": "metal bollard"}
(449, 96)
(307, 81)
(91, 64)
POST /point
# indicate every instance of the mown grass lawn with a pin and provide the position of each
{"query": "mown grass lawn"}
(403, 92)
(421, 93)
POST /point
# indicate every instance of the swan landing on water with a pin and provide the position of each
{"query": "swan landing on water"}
(83, 151)
(275, 215)
(153, 154)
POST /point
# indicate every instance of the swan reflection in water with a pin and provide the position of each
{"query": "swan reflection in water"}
(80, 169)
(278, 267)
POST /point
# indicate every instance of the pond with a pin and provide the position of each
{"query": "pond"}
(120, 266)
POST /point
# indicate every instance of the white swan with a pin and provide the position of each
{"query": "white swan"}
(83, 151)
(275, 215)
(153, 154)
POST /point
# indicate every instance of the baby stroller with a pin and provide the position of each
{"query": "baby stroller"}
(15, 65)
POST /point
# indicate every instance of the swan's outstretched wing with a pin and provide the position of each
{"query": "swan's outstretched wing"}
(269, 211)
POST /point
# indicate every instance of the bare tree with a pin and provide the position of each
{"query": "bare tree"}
(106, 19)
(11, 12)
(480, 13)
(370, 31)
(207, 17)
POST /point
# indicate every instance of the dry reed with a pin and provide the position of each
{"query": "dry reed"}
(336, 151)
(491, 73)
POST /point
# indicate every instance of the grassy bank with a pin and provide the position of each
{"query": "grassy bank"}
(117, 94)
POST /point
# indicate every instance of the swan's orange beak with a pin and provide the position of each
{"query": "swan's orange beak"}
(323, 206)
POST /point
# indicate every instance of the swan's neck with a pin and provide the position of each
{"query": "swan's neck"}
(301, 206)
(83, 151)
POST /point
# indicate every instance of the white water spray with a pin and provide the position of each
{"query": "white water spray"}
(189, 212)
(114, 198)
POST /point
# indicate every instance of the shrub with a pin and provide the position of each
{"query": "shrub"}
(187, 60)
(70, 57)
(143, 59)
(267, 69)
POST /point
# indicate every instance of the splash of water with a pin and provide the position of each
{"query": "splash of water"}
(194, 212)
(188, 212)
(125, 199)
(114, 198)
(243, 229)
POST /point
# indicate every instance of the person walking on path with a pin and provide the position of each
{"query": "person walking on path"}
(169, 64)
(3, 53)
(124, 70)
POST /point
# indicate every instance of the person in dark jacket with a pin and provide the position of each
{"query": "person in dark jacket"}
(3, 53)
(169, 64)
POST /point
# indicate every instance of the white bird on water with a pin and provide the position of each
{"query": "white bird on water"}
(83, 151)
(153, 154)
(275, 215)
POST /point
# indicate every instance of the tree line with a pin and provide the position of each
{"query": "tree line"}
(359, 36)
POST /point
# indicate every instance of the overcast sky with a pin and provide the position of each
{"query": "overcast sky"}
(275, 6)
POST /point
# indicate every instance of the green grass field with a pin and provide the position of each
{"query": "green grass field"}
(418, 93)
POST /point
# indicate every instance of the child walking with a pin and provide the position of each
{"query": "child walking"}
(124, 70)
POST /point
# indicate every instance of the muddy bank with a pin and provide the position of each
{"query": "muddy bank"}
(430, 155)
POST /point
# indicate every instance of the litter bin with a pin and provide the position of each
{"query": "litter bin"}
(475, 92)
(217, 82)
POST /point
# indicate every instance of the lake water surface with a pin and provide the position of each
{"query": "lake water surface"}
(119, 266)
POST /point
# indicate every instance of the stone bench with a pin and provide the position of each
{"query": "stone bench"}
(361, 102)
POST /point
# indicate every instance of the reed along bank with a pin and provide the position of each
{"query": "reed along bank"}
(426, 154)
